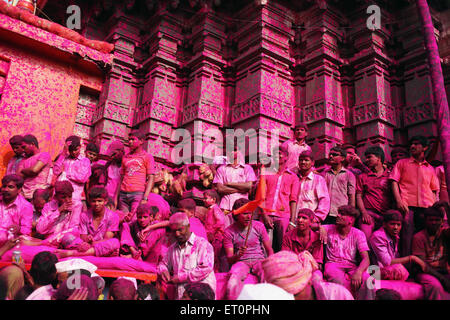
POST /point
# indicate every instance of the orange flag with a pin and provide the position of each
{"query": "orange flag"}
(260, 196)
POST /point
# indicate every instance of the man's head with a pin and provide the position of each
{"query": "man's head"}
(198, 291)
(98, 197)
(91, 152)
(290, 271)
(347, 215)
(63, 192)
(337, 156)
(74, 146)
(211, 197)
(434, 218)
(300, 131)
(387, 294)
(280, 156)
(180, 228)
(40, 198)
(67, 288)
(374, 156)
(418, 145)
(305, 161)
(243, 219)
(187, 206)
(16, 143)
(304, 219)
(147, 291)
(116, 151)
(30, 145)
(146, 214)
(392, 222)
(398, 152)
(351, 152)
(122, 289)
(43, 269)
(135, 139)
(11, 185)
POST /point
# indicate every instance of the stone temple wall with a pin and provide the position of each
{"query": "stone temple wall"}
(264, 65)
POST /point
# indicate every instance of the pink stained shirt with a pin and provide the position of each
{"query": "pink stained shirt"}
(285, 193)
(13, 165)
(384, 247)
(135, 168)
(197, 227)
(113, 180)
(294, 150)
(76, 171)
(193, 263)
(376, 191)
(229, 174)
(41, 180)
(18, 213)
(416, 182)
(235, 238)
(313, 194)
(291, 242)
(158, 201)
(53, 224)
(340, 186)
(344, 250)
(152, 247)
(215, 221)
(109, 223)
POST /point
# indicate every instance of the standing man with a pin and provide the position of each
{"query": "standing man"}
(297, 146)
(414, 185)
(353, 161)
(138, 176)
(16, 143)
(341, 183)
(190, 259)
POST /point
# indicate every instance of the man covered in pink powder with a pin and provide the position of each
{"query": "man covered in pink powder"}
(15, 211)
(233, 181)
(73, 167)
(245, 248)
(138, 170)
(344, 243)
(150, 249)
(297, 146)
(281, 198)
(190, 259)
(116, 152)
(34, 168)
(16, 143)
(98, 228)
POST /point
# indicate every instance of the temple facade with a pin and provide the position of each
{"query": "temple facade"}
(255, 65)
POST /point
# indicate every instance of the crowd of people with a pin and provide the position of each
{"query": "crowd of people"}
(314, 234)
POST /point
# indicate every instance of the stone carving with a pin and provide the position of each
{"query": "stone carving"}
(418, 113)
(374, 111)
(262, 104)
(203, 110)
(324, 110)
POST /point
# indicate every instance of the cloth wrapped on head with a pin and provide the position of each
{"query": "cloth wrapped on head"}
(289, 271)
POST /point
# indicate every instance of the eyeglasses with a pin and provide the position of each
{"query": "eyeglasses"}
(334, 154)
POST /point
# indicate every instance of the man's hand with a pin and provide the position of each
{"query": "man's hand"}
(366, 218)
(79, 294)
(268, 221)
(165, 276)
(84, 247)
(356, 280)
(323, 236)
(66, 206)
(419, 262)
(241, 252)
(128, 217)
(175, 280)
(136, 254)
(142, 235)
(65, 150)
(402, 207)
(144, 201)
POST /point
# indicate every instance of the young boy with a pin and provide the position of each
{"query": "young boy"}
(16, 145)
(92, 152)
(138, 170)
(214, 225)
(40, 198)
(297, 146)
(153, 247)
(98, 226)
(244, 256)
(188, 206)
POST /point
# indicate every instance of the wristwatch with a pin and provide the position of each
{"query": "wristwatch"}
(292, 224)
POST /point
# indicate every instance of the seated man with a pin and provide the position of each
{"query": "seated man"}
(15, 211)
(344, 242)
(244, 249)
(304, 238)
(150, 249)
(40, 198)
(98, 226)
(430, 245)
(190, 259)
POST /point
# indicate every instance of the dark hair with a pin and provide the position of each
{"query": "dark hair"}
(307, 212)
(306, 154)
(213, 194)
(340, 150)
(138, 134)
(92, 147)
(433, 212)
(387, 294)
(75, 142)
(146, 207)
(348, 211)
(421, 139)
(146, 289)
(122, 289)
(442, 204)
(199, 291)
(16, 140)
(188, 204)
(42, 193)
(98, 192)
(30, 139)
(43, 269)
(301, 125)
(18, 180)
(392, 215)
(346, 146)
(24, 292)
(239, 203)
(63, 187)
(376, 151)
